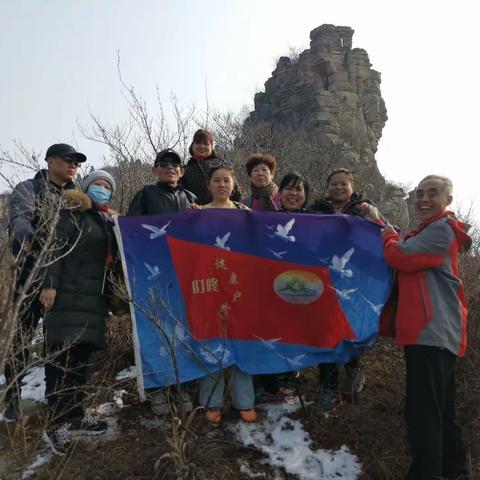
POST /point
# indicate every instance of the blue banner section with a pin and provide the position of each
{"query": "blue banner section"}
(268, 291)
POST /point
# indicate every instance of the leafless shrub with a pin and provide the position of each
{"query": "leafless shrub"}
(134, 143)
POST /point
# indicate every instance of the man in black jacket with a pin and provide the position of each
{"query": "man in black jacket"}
(166, 195)
(31, 206)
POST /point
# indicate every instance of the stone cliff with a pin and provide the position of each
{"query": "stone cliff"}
(331, 90)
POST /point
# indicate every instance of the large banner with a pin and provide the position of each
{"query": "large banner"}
(267, 291)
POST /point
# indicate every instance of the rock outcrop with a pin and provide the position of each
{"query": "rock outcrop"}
(330, 90)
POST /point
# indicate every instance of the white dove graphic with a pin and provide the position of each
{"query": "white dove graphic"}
(345, 294)
(339, 263)
(268, 343)
(221, 242)
(278, 254)
(163, 352)
(376, 308)
(154, 271)
(295, 361)
(217, 355)
(179, 332)
(283, 231)
(155, 231)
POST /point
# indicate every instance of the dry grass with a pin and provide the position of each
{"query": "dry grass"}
(374, 429)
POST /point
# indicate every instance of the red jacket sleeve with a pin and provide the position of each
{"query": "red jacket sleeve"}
(428, 249)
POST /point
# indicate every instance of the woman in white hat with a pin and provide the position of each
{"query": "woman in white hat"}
(75, 298)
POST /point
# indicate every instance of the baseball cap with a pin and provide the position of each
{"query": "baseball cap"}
(64, 150)
(169, 155)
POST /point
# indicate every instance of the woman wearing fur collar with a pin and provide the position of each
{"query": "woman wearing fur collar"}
(74, 297)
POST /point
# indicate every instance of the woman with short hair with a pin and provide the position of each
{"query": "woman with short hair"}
(265, 195)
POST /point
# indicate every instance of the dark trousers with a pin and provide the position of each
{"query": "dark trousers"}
(66, 376)
(17, 363)
(435, 439)
(269, 382)
(328, 373)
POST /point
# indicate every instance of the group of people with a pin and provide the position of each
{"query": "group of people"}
(71, 293)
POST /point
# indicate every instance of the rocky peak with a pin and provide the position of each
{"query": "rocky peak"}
(330, 90)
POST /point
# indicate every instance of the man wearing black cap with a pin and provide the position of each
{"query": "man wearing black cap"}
(166, 195)
(30, 206)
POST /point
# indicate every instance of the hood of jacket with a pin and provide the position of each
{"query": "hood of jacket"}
(460, 229)
(42, 177)
(77, 201)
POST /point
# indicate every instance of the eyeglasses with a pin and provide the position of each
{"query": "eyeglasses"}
(70, 160)
(217, 163)
(166, 164)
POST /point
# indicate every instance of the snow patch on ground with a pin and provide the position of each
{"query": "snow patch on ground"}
(33, 385)
(130, 372)
(108, 409)
(288, 446)
(40, 459)
(111, 408)
(246, 470)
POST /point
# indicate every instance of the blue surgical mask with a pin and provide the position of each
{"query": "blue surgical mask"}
(100, 195)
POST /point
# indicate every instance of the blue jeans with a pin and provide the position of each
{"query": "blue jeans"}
(212, 389)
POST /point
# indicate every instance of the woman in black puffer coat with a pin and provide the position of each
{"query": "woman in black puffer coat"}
(293, 196)
(74, 294)
(195, 176)
(341, 199)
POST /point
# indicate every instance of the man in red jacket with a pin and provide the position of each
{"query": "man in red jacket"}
(431, 325)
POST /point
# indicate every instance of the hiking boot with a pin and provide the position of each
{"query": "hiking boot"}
(353, 385)
(89, 426)
(186, 400)
(159, 403)
(263, 397)
(327, 401)
(58, 438)
(355, 380)
(10, 414)
(248, 416)
(213, 416)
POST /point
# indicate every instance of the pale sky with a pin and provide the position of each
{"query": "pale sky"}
(58, 62)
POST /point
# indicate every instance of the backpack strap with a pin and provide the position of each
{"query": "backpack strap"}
(248, 201)
(239, 205)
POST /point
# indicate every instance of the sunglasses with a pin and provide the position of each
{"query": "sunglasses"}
(216, 163)
(166, 163)
(70, 161)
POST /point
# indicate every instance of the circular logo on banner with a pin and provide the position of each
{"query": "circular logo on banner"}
(298, 286)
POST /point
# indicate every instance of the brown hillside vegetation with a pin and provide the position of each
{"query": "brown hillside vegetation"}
(147, 447)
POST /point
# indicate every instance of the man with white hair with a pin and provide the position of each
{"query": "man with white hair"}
(431, 326)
